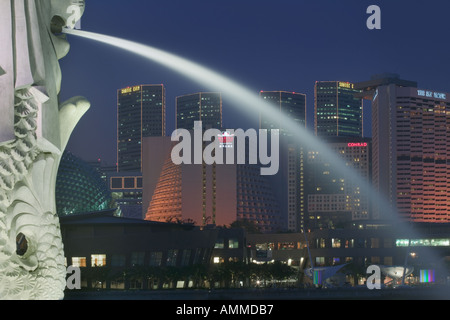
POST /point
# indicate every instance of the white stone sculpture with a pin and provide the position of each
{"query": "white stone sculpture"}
(34, 131)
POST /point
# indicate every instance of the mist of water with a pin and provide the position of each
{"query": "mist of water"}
(250, 103)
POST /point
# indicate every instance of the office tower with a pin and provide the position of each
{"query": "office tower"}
(337, 113)
(202, 106)
(333, 197)
(291, 104)
(166, 185)
(411, 149)
(288, 184)
(140, 113)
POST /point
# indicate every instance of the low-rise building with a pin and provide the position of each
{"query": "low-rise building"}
(119, 253)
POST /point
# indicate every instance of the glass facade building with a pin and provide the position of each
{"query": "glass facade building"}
(202, 106)
(337, 111)
(288, 183)
(80, 188)
(292, 104)
(141, 113)
(334, 198)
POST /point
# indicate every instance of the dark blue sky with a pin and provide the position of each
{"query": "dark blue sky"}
(264, 45)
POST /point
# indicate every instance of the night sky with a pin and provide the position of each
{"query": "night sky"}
(264, 45)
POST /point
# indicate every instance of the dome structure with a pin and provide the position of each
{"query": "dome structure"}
(80, 188)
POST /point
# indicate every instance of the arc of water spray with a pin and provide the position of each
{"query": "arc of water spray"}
(241, 96)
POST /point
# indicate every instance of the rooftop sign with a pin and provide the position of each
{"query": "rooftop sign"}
(431, 94)
(347, 85)
(131, 89)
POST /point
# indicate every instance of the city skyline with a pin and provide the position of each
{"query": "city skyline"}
(351, 191)
(263, 47)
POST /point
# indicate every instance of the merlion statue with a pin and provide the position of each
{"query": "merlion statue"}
(34, 131)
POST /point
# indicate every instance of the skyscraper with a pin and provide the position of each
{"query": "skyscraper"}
(338, 113)
(141, 112)
(411, 150)
(292, 104)
(196, 194)
(202, 106)
(288, 182)
(332, 197)
(205, 194)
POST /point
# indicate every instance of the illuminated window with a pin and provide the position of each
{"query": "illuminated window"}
(98, 260)
(321, 243)
(320, 261)
(79, 262)
(233, 244)
(423, 242)
(219, 244)
(286, 245)
(335, 243)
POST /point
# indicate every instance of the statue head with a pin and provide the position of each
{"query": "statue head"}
(34, 132)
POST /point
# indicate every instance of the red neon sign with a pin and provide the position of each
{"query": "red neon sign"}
(357, 144)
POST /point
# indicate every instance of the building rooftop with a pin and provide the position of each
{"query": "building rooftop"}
(107, 217)
(369, 87)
